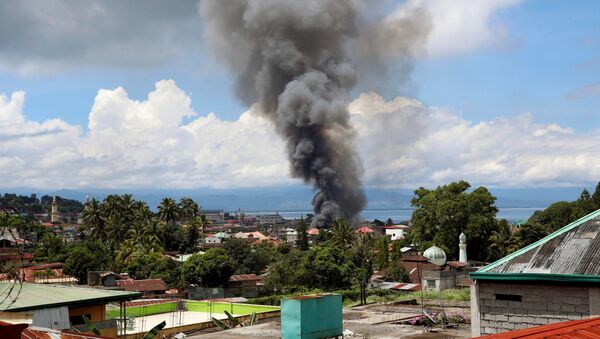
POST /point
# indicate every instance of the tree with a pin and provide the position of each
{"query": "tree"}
(529, 233)
(502, 241)
(389, 222)
(50, 248)
(155, 266)
(211, 269)
(88, 256)
(396, 273)
(302, 242)
(443, 213)
(190, 235)
(93, 219)
(188, 208)
(248, 259)
(168, 211)
(342, 234)
(383, 258)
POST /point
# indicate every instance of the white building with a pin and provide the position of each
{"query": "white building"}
(396, 232)
(214, 216)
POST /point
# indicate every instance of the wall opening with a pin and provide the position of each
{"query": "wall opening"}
(509, 297)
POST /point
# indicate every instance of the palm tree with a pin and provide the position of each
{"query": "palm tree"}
(137, 232)
(142, 212)
(188, 208)
(127, 208)
(168, 210)
(116, 229)
(341, 233)
(111, 206)
(203, 222)
(502, 240)
(93, 220)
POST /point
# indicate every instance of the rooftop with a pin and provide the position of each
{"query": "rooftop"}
(26, 296)
(146, 285)
(569, 254)
(585, 328)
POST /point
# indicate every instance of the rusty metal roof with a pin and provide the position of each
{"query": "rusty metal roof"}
(570, 253)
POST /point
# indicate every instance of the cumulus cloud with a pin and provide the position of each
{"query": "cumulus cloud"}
(162, 142)
(460, 26)
(51, 35)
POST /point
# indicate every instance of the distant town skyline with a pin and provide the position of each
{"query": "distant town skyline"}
(505, 93)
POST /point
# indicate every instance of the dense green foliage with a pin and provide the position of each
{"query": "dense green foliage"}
(213, 268)
(443, 213)
(23, 204)
(87, 256)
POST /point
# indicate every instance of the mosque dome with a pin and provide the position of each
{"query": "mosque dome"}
(435, 255)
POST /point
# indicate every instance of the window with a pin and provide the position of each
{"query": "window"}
(430, 283)
(509, 297)
(78, 319)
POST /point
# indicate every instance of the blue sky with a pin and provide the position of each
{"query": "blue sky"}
(508, 59)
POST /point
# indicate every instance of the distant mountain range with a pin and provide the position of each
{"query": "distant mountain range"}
(296, 198)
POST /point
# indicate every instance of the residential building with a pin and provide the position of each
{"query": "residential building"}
(364, 230)
(243, 285)
(395, 232)
(554, 279)
(214, 216)
(149, 287)
(59, 307)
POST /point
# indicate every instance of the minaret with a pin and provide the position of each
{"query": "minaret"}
(54, 216)
(462, 246)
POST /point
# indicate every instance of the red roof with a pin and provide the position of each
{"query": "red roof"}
(313, 231)
(584, 328)
(395, 227)
(364, 230)
(456, 264)
(147, 285)
(407, 287)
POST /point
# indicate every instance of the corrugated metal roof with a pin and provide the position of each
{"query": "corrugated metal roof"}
(36, 296)
(244, 277)
(145, 285)
(572, 250)
(585, 328)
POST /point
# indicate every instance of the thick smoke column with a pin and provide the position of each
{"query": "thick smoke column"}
(291, 57)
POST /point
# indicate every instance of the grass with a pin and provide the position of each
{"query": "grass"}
(447, 295)
(239, 309)
(140, 311)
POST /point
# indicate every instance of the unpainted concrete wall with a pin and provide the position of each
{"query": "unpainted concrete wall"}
(540, 304)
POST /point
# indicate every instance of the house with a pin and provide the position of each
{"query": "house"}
(9, 237)
(217, 238)
(149, 287)
(11, 257)
(214, 216)
(415, 265)
(59, 307)
(243, 285)
(364, 230)
(43, 274)
(287, 234)
(395, 232)
(554, 279)
(101, 278)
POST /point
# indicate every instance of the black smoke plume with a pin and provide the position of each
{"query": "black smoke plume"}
(292, 57)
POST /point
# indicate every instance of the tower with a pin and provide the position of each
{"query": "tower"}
(462, 247)
(54, 216)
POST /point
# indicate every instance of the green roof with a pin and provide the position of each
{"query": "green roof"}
(15, 297)
(567, 255)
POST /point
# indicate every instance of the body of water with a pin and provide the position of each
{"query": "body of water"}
(512, 214)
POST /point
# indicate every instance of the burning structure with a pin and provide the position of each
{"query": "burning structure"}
(292, 59)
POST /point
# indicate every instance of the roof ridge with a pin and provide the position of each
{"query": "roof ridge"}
(542, 241)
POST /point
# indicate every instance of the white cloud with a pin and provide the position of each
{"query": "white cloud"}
(152, 143)
(460, 26)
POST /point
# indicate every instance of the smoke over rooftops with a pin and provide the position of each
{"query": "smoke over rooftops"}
(297, 60)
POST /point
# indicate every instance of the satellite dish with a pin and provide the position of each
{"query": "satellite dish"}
(435, 255)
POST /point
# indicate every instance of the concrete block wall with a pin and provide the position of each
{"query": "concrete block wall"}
(540, 304)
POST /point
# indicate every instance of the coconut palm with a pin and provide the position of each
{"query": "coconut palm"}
(203, 222)
(168, 211)
(188, 208)
(502, 240)
(93, 220)
(142, 212)
(116, 229)
(342, 234)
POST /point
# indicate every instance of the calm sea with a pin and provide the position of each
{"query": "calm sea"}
(399, 215)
